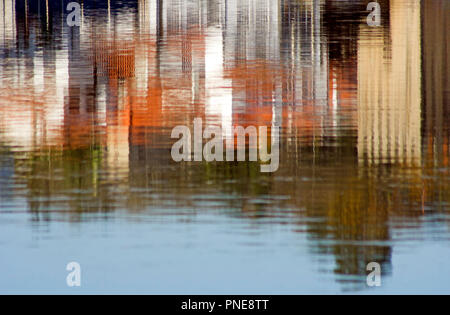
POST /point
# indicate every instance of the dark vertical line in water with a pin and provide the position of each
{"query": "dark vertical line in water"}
(39, 12)
(4, 17)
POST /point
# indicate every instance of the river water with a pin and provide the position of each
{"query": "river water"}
(86, 173)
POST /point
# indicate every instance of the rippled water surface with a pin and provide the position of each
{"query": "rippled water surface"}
(86, 173)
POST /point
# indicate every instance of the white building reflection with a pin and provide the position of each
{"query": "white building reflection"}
(7, 22)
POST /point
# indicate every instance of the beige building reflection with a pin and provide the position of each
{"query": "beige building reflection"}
(389, 88)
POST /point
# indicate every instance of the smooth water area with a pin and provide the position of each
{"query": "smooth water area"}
(86, 173)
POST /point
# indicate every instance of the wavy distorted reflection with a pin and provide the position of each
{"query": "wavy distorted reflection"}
(87, 113)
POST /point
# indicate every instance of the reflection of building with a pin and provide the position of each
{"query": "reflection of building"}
(35, 87)
(7, 23)
(148, 16)
(389, 88)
